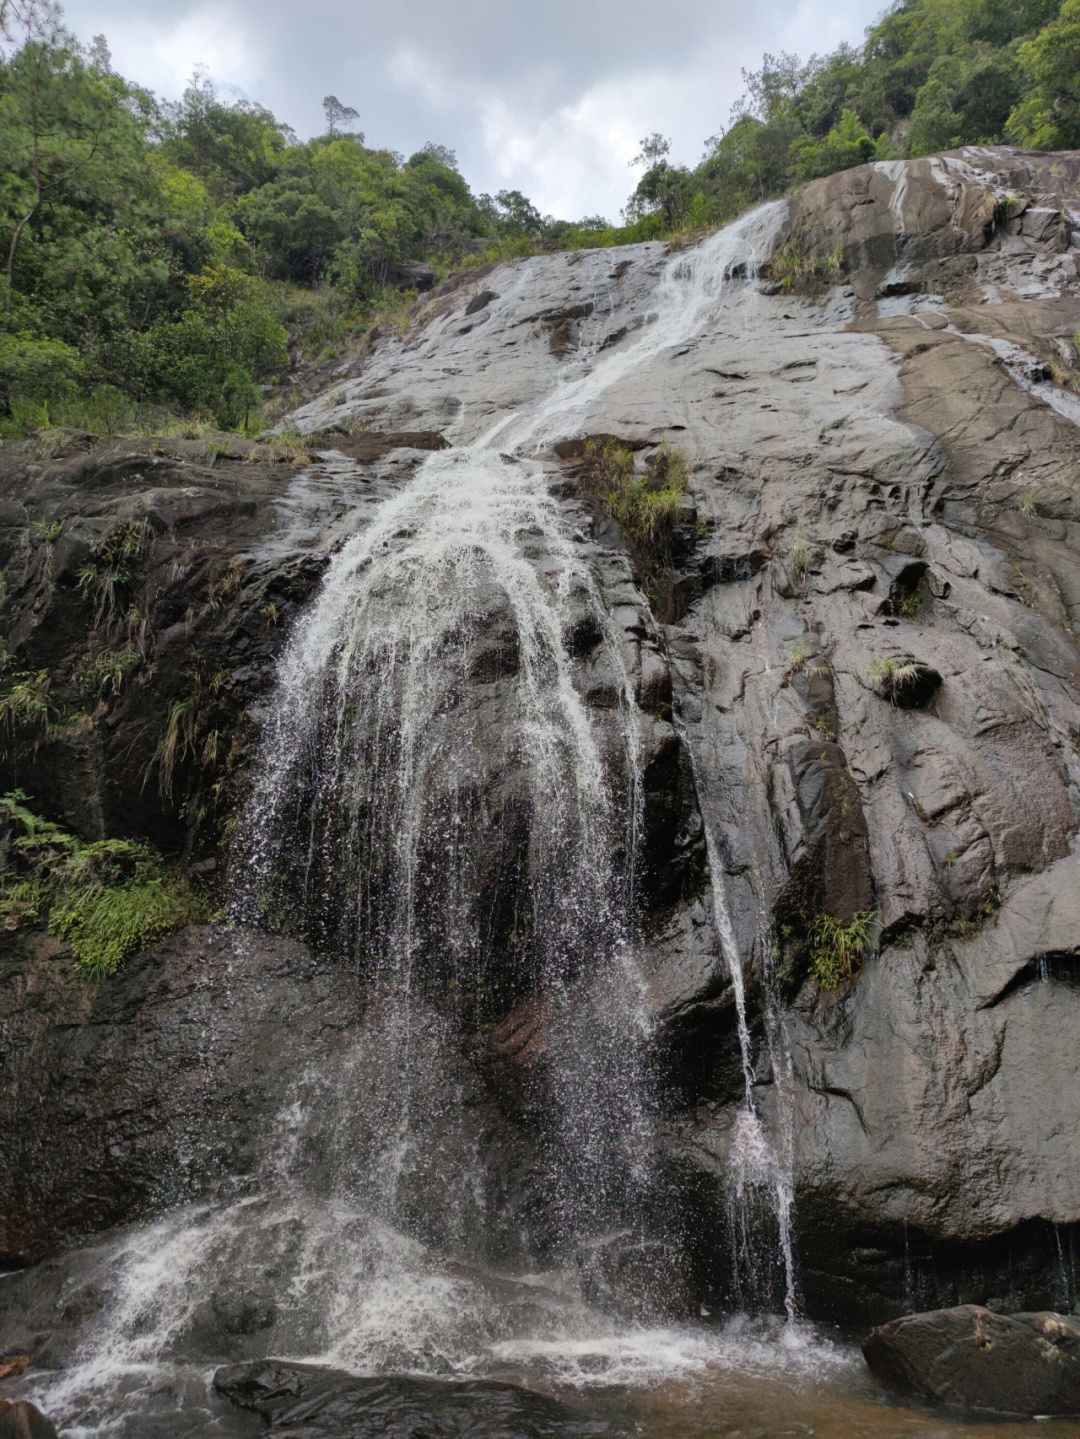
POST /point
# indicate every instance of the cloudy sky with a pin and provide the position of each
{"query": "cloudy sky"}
(550, 97)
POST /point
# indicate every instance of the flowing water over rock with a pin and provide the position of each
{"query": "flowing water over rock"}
(435, 805)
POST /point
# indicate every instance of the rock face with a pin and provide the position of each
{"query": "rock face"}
(982, 1363)
(22, 1420)
(154, 1082)
(326, 1404)
(871, 660)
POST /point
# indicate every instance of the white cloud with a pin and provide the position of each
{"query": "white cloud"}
(551, 100)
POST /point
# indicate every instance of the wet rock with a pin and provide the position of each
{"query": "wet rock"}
(327, 1404)
(22, 1420)
(13, 1364)
(980, 1363)
(113, 1128)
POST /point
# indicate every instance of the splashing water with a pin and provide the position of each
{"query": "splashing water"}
(761, 1196)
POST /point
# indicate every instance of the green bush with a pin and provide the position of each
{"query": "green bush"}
(41, 372)
(836, 949)
(646, 504)
(108, 899)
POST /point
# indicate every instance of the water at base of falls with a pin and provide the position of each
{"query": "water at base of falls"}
(435, 806)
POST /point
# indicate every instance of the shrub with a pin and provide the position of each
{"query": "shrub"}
(41, 372)
(108, 899)
(837, 949)
(646, 504)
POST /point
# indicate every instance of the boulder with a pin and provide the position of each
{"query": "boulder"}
(325, 1403)
(972, 1360)
(22, 1420)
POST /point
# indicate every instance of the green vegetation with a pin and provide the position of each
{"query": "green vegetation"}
(646, 502)
(944, 927)
(889, 674)
(931, 75)
(107, 899)
(836, 949)
(798, 267)
(25, 706)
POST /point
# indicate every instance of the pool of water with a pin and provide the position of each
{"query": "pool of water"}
(739, 1380)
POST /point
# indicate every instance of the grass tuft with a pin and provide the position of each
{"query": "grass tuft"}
(646, 503)
(836, 949)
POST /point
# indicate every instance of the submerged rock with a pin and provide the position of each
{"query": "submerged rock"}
(325, 1403)
(973, 1360)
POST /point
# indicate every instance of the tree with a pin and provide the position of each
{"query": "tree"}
(439, 153)
(654, 149)
(1048, 118)
(338, 117)
(100, 56)
(62, 129)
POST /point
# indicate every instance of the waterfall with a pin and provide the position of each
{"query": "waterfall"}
(434, 663)
(435, 805)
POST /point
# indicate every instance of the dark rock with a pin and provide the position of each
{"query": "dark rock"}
(327, 1404)
(480, 302)
(103, 1136)
(22, 1420)
(415, 277)
(980, 1363)
(905, 681)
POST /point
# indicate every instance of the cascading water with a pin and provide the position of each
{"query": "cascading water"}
(435, 662)
(435, 804)
(761, 1195)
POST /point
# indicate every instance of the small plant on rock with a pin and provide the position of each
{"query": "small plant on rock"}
(646, 504)
(889, 674)
(798, 559)
(105, 580)
(837, 949)
(26, 708)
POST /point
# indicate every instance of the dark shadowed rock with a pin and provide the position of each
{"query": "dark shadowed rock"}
(979, 1362)
(327, 1404)
(22, 1420)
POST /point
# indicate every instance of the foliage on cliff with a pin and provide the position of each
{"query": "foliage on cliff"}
(107, 899)
(931, 75)
(646, 503)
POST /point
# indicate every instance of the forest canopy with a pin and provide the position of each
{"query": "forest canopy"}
(182, 254)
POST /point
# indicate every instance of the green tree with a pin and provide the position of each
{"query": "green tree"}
(1048, 118)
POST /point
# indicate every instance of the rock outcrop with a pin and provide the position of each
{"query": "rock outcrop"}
(22, 1420)
(872, 661)
(981, 1363)
(129, 1093)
